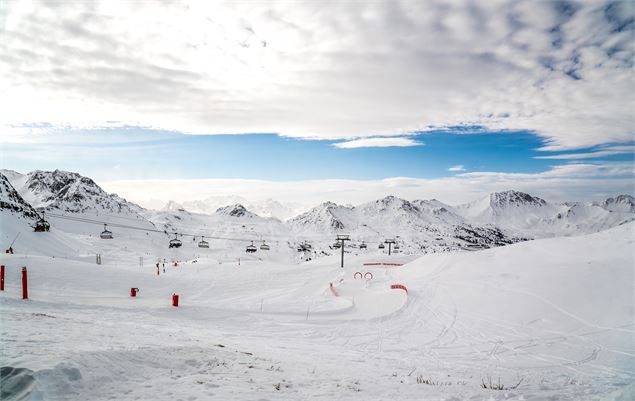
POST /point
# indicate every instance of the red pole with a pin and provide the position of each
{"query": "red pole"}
(175, 299)
(25, 292)
(2, 278)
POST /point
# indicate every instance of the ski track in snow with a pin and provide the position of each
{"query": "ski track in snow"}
(467, 317)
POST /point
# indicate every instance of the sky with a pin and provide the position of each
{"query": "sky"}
(312, 101)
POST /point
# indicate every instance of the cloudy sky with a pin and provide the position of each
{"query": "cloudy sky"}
(335, 100)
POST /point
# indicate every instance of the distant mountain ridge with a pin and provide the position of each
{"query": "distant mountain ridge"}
(419, 226)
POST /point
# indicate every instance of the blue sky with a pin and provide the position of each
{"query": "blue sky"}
(143, 153)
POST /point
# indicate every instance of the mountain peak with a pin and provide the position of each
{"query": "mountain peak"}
(326, 216)
(173, 206)
(514, 198)
(621, 203)
(69, 192)
(393, 202)
(235, 210)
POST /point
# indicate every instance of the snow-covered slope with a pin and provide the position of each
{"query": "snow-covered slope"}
(418, 226)
(547, 319)
(327, 217)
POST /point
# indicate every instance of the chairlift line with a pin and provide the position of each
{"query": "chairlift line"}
(43, 225)
(130, 227)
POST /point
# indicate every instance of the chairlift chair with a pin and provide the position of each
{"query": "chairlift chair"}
(175, 242)
(251, 248)
(363, 245)
(337, 245)
(41, 225)
(106, 234)
(381, 246)
(203, 243)
(264, 247)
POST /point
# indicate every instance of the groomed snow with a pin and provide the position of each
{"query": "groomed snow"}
(555, 315)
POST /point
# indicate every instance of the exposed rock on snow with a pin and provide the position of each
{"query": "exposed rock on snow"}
(621, 203)
(12, 202)
(236, 210)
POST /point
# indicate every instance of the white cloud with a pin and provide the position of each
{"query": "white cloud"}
(457, 168)
(329, 70)
(561, 183)
(606, 151)
(378, 143)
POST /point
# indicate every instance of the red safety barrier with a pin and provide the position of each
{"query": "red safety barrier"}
(333, 290)
(2, 278)
(360, 275)
(25, 291)
(133, 292)
(399, 287)
(368, 274)
(175, 299)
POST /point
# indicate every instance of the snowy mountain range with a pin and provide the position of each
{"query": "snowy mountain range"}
(518, 213)
(68, 192)
(264, 208)
(418, 226)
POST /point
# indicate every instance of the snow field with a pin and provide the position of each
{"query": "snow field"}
(554, 315)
